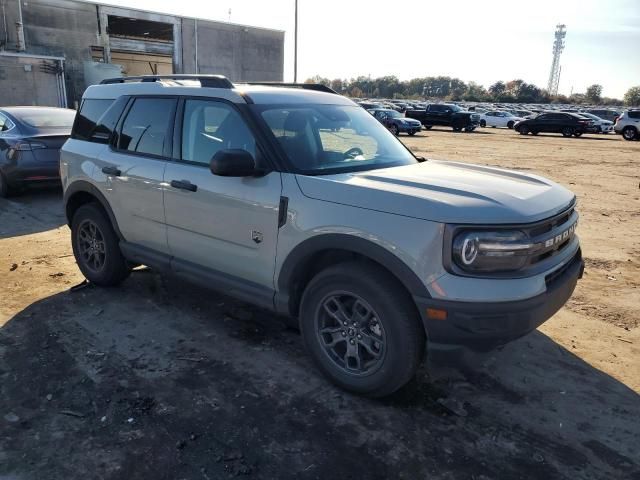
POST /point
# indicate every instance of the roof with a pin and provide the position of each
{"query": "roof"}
(240, 93)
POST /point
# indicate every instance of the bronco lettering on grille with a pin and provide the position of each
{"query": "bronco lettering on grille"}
(561, 237)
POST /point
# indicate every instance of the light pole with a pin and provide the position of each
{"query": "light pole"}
(295, 47)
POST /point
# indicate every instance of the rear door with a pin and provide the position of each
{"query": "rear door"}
(220, 225)
(132, 170)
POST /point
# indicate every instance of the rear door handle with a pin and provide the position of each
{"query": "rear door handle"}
(184, 185)
(111, 171)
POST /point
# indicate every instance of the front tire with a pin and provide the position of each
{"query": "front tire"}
(523, 130)
(394, 129)
(361, 329)
(577, 134)
(96, 247)
(510, 125)
(428, 127)
(483, 123)
(629, 133)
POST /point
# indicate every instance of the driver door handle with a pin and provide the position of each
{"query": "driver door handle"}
(111, 171)
(184, 185)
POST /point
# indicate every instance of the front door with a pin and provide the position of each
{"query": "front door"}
(224, 224)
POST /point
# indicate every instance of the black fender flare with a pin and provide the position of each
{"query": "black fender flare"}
(82, 186)
(296, 262)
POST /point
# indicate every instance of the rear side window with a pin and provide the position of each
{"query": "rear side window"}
(147, 127)
(90, 112)
(634, 113)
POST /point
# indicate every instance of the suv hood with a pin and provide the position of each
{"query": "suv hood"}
(446, 192)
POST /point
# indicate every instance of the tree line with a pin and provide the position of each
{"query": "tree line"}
(454, 89)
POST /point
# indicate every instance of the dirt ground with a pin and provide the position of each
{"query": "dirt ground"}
(158, 379)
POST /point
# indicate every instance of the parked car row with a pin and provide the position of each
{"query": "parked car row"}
(576, 124)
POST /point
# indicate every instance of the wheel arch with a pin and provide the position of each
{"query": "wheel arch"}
(317, 253)
(82, 192)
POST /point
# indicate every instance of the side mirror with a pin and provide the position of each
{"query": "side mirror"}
(233, 163)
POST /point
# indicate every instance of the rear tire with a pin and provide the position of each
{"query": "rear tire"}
(457, 129)
(411, 134)
(510, 124)
(577, 134)
(96, 247)
(394, 129)
(629, 133)
(567, 131)
(483, 123)
(523, 130)
(428, 127)
(361, 329)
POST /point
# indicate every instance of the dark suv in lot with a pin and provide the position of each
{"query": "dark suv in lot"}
(447, 115)
(567, 124)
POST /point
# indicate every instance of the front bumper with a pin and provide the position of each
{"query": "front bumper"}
(483, 326)
(408, 128)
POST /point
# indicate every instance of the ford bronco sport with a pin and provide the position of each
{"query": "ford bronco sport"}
(295, 199)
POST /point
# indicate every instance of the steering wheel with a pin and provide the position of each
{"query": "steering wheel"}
(353, 152)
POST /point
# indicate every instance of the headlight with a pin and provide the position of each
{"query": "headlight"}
(481, 251)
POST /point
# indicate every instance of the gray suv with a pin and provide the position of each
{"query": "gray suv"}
(295, 199)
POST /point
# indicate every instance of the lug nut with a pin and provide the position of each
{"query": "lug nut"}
(344, 334)
(352, 342)
(344, 323)
(359, 337)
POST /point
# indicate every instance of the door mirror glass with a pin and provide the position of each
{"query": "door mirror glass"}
(233, 163)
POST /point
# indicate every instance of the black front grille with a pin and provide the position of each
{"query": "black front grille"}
(553, 235)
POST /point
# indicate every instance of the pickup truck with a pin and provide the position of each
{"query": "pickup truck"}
(447, 115)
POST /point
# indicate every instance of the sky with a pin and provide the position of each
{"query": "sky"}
(480, 41)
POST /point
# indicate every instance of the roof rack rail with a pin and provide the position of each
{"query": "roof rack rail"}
(306, 86)
(211, 81)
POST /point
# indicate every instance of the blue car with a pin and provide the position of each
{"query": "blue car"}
(396, 122)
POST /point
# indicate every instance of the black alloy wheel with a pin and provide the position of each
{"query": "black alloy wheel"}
(91, 247)
(351, 333)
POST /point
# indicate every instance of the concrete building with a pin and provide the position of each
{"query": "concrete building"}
(51, 50)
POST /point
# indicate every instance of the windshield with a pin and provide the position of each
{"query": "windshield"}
(326, 139)
(47, 118)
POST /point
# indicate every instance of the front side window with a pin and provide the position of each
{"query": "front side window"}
(325, 139)
(210, 126)
(146, 129)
